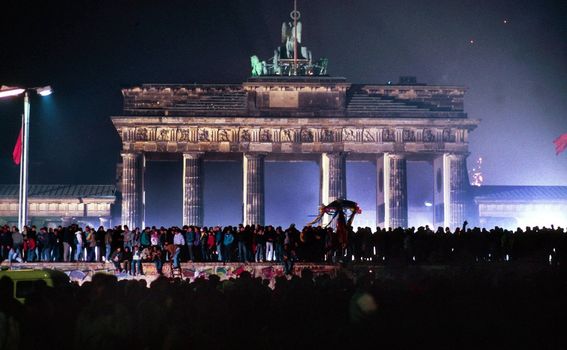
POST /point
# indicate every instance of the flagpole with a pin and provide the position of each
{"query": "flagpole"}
(23, 204)
(20, 226)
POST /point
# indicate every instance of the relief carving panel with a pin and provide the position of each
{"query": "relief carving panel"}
(245, 135)
(368, 135)
(203, 135)
(141, 134)
(163, 135)
(428, 135)
(265, 135)
(327, 135)
(408, 135)
(388, 135)
(287, 135)
(448, 135)
(183, 135)
(224, 135)
(306, 135)
(349, 134)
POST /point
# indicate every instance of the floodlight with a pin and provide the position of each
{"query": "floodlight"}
(44, 91)
(6, 91)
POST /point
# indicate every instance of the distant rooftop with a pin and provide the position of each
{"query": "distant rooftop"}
(520, 193)
(60, 191)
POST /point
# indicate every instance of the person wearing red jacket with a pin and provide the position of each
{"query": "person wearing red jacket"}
(211, 245)
(29, 249)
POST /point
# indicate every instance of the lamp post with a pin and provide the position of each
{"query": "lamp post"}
(24, 158)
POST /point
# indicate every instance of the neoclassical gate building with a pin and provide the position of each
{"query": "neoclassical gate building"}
(287, 118)
(291, 110)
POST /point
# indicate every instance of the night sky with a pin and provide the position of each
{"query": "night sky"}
(511, 55)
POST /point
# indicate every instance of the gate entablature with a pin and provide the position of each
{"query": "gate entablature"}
(293, 135)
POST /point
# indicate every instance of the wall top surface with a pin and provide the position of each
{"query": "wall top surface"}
(513, 194)
(60, 191)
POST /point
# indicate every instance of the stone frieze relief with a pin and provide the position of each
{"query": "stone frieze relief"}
(292, 135)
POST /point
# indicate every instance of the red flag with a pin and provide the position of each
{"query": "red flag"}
(17, 153)
(560, 143)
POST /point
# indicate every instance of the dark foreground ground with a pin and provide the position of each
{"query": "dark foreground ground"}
(472, 307)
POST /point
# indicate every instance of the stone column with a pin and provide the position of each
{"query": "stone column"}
(193, 189)
(253, 189)
(450, 190)
(333, 179)
(392, 198)
(133, 195)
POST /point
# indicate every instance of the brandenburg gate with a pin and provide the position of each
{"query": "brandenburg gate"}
(291, 110)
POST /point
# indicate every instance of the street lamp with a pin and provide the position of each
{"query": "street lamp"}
(23, 192)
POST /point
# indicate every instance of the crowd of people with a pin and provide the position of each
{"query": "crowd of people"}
(129, 248)
(480, 309)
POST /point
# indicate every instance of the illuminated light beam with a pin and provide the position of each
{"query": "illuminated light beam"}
(543, 216)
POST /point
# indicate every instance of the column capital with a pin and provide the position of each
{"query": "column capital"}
(193, 155)
(254, 154)
(130, 154)
(456, 155)
(336, 154)
(393, 155)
